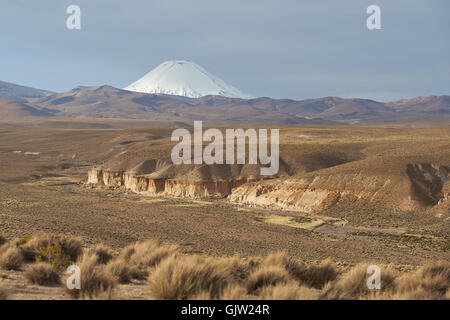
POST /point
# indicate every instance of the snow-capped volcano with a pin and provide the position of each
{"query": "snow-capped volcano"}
(183, 78)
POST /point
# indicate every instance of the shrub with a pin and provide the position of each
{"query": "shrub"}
(2, 240)
(266, 276)
(31, 246)
(11, 259)
(184, 277)
(55, 255)
(43, 274)
(43, 246)
(24, 240)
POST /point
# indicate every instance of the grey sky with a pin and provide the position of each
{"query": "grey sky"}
(281, 49)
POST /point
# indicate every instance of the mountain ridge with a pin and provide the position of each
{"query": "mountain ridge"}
(109, 102)
(17, 92)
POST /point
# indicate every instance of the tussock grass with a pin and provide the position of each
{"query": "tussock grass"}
(184, 277)
(234, 292)
(238, 267)
(289, 291)
(103, 253)
(281, 259)
(353, 284)
(95, 281)
(135, 260)
(231, 292)
(122, 272)
(148, 253)
(43, 274)
(317, 276)
(11, 258)
(5, 247)
(431, 281)
(267, 276)
(3, 294)
(72, 246)
(106, 294)
(170, 274)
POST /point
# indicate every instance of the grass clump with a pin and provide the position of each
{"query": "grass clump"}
(43, 274)
(11, 258)
(3, 294)
(24, 240)
(267, 276)
(184, 277)
(289, 291)
(122, 272)
(95, 281)
(431, 281)
(103, 253)
(231, 292)
(317, 276)
(353, 284)
(148, 253)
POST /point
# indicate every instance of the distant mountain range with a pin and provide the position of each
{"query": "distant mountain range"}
(22, 103)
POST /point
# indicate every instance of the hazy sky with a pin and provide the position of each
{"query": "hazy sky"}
(281, 49)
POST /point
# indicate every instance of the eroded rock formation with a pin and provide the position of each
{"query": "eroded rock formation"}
(427, 182)
(152, 185)
(423, 185)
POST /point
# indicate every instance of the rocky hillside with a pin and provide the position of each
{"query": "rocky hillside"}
(369, 169)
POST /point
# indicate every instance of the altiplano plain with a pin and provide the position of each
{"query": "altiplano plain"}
(44, 188)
